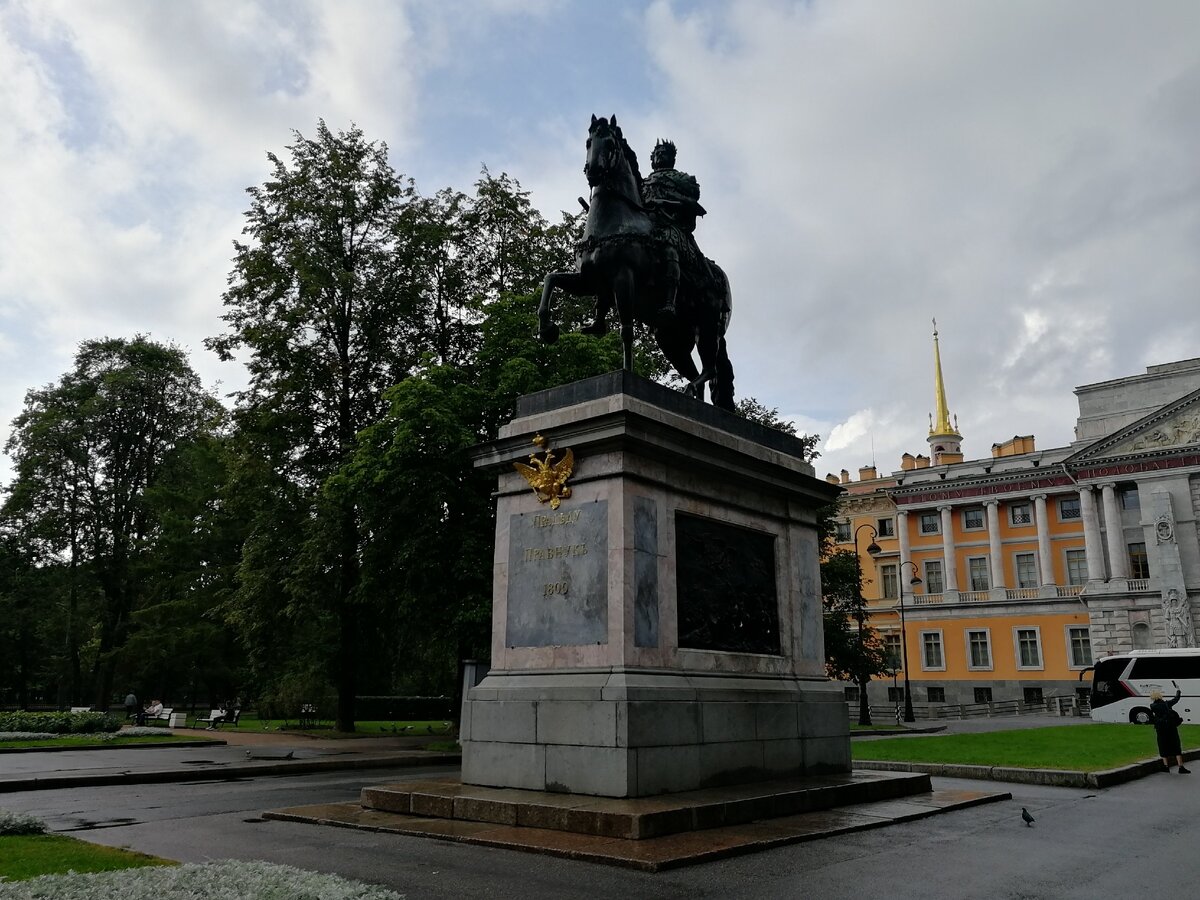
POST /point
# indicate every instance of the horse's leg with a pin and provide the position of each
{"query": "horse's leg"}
(572, 283)
(676, 343)
(706, 345)
(722, 386)
(623, 288)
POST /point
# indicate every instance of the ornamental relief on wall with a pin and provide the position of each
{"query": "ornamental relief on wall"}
(1177, 432)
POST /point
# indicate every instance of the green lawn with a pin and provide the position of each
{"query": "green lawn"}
(421, 728)
(1085, 748)
(80, 741)
(27, 856)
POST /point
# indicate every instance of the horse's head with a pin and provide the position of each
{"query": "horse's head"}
(606, 152)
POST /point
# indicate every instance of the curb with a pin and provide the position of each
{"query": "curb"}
(1051, 777)
(897, 732)
(225, 773)
(210, 742)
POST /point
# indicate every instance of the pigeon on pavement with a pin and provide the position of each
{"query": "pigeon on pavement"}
(1026, 817)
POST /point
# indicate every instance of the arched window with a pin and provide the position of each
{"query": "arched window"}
(1141, 636)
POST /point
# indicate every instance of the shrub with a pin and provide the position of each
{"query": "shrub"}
(59, 722)
(20, 823)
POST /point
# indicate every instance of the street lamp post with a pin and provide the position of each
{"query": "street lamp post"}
(916, 579)
(864, 705)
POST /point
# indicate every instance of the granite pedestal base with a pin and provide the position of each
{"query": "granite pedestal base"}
(659, 628)
(634, 733)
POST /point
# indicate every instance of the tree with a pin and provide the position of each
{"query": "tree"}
(330, 299)
(87, 451)
(853, 649)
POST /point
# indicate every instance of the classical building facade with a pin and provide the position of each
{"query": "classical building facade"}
(1030, 564)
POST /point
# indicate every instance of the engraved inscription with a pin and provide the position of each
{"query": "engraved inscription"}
(558, 577)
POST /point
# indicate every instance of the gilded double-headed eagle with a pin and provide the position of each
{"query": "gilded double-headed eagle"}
(547, 477)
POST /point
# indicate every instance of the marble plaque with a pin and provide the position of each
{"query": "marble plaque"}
(558, 577)
(645, 572)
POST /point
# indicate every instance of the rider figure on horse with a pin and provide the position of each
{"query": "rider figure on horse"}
(673, 200)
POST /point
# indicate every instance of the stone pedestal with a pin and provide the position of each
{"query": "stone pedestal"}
(661, 629)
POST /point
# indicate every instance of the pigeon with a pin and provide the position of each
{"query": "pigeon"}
(1026, 817)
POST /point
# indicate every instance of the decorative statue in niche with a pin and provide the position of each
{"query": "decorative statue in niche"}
(1179, 620)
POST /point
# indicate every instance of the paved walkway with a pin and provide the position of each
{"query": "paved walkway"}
(242, 754)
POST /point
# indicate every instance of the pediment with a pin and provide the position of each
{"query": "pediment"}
(1172, 428)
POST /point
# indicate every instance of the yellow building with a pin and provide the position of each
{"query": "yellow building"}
(1028, 563)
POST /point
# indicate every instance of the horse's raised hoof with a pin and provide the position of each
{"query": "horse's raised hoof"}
(596, 329)
(548, 333)
(667, 317)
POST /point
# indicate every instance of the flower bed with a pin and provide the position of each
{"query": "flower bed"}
(58, 722)
(226, 880)
(20, 823)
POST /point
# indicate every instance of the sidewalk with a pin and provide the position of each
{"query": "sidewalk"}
(243, 754)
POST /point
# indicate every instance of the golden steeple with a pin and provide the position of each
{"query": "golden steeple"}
(941, 418)
(944, 439)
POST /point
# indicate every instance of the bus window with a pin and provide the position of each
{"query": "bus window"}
(1165, 668)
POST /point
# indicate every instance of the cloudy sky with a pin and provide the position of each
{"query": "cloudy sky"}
(1026, 172)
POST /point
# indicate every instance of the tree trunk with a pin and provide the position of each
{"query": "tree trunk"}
(347, 665)
(864, 705)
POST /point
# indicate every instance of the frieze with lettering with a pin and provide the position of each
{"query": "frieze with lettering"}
(558, 577)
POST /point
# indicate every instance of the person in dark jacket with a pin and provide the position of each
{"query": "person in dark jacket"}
(1166, 729)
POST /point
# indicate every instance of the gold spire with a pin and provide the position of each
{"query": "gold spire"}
(941, 418)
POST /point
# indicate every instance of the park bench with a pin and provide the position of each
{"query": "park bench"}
(79, 709)
(217, 717)
(164, 715)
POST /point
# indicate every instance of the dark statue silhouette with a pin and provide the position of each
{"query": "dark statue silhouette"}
(639, 257)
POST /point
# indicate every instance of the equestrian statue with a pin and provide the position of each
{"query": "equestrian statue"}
(638, 255)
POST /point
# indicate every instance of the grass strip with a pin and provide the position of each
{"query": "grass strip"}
(28, 856)
(1079, 748)
(85, 741)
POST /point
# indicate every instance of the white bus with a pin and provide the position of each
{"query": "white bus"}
(1121, 685)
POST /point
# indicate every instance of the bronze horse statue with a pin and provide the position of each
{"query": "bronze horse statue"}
(625, 262)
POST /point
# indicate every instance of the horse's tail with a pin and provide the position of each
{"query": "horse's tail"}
(721, 387)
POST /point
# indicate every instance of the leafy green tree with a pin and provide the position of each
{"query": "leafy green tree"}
(330, 299)
(853, 649)
(87, 450)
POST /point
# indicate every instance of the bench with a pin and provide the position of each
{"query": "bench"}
(163, 715)
(217, 717)
(79, 709)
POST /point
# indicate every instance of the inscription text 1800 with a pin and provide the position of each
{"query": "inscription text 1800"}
(558, 577)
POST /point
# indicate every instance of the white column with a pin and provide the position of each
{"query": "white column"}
(1091, 534)
(1045, 561)
(949, 557)
(902, 537)
(993, 526)
(1117, 558)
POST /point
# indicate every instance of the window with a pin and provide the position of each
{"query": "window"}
(937, 694)
(1077, 572)
(931, 523)
(1141, 636)
(843, 533)
(983, 695)
(895, 695)
(1129, 498)
(972, 519)
(1139, 563)
(1029, 648)
(1020, 513)
(891, 583)
(851, 695)
(1068, 509)
(886, 527)
(1026, 566)
(977, 567)
(933, 576)
(1032, 695)
(891, 650)
(931, 650)
(979, 649)
(1079, 646)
